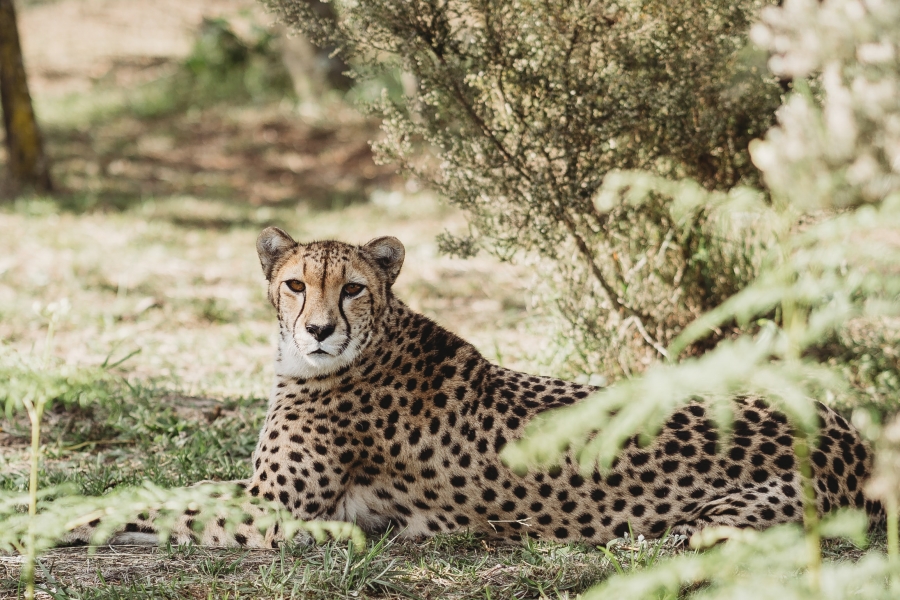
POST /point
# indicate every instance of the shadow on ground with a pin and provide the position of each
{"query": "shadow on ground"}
(267, 157)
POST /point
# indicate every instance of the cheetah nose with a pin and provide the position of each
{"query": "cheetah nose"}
(320, 332)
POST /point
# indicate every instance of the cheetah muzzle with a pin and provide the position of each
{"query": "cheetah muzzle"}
(381, 417)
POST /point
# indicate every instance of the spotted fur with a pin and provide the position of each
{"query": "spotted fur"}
(381, 417)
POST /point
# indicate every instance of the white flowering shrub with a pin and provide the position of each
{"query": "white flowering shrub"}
(840, 144)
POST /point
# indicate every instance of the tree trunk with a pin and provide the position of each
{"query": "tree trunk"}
(27, 164)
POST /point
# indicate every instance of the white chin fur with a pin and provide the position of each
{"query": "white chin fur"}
(294, 363)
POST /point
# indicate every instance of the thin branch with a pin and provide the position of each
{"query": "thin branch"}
(646, 336)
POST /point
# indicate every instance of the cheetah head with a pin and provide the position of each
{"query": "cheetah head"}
(329, 297)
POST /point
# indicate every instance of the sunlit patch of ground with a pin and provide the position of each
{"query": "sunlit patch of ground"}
(179, 280)
(69, 45)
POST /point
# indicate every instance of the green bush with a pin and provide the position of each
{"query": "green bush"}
(527, 106)
(222, 67)
(224, 64)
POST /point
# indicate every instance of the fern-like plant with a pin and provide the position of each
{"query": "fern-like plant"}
(832, 164)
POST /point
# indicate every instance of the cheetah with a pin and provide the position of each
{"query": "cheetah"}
(380, 417)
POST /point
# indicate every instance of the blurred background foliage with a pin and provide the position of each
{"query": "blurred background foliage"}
(209, 100)
(224, 66)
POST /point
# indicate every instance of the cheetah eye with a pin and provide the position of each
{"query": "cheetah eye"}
(295, 285)
(352, 289)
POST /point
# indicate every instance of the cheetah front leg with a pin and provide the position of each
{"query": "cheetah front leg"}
(301, 479)
(209, 526)
(307, 481)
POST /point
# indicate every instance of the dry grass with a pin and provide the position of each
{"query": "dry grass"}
(449, 568)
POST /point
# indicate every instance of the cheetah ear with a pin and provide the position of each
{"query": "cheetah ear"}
(271, 245)
(388, 252)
